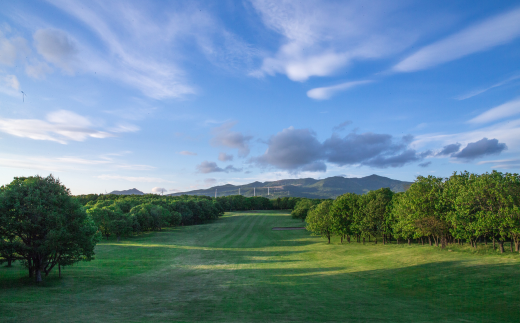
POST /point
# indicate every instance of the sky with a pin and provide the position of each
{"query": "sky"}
(170, 96)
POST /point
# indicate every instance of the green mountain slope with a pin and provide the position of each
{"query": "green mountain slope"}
(306, 187)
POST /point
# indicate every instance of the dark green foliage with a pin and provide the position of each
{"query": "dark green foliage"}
(43, 225)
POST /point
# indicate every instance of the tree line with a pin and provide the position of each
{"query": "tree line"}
(464, 208)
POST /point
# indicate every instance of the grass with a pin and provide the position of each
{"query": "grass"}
(238, 270)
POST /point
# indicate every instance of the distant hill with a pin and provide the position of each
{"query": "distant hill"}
(132, 191)
(307, 187)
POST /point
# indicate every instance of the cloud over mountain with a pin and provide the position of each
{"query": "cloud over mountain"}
(299, 150)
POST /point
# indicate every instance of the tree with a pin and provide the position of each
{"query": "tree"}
(375, 209)
(343, 211)
(421, 211)
(52, 227)
(301, 208)
(319, 220)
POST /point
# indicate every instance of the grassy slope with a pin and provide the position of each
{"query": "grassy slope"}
(239, 270)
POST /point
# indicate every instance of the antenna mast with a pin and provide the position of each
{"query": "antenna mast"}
(254, 191)
(267, 190)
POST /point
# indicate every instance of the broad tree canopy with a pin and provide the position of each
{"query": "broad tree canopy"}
(51, 226)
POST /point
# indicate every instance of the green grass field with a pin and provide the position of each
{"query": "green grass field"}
(238, 270)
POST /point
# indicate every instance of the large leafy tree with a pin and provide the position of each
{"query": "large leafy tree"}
(50, 226)
(375, 209)
(343, 211)
(421, 210)
(319, 220)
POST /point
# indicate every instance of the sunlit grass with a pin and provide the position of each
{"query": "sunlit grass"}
(239, 270)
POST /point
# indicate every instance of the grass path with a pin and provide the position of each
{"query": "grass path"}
(239, 270)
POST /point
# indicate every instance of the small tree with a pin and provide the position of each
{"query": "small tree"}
(319, 220)
(51, 226)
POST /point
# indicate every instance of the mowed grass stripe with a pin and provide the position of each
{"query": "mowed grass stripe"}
(260, 228)
(245, 234)
(226, 229)
(245, 221)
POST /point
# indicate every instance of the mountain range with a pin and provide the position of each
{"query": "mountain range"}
(133, 191)
(306, 187)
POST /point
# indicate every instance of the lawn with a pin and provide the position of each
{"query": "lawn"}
(237, 269)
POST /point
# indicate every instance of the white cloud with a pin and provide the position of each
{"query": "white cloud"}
(324, 93)
(58, 48)
(10, 85)
(134, 179)
(321, 37)
(496, 31)
(11, 49)
(67, 163)
(60, 126)
(38, 70)
(159, 190)
(499, 112)
(146, 45)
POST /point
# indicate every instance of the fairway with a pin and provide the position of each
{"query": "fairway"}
(237, 269)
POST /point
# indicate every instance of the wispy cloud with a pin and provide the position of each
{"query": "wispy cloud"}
(134, 179)
(480, 91)
(67, 163)
(507, 132)
(321, 37)
(498, 30)
(505, 110)
(502, 163)
(223, 136)
(147, 45)
(60, 126)
(324, 93)
(10, 85)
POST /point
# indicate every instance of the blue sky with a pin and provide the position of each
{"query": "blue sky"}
(185, 95)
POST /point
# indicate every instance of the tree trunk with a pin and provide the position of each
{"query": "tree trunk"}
(118, 237)
(409, 242)
(501, 245)
(328, 238)
(443, 241)
(511, 245)
(376, 240)
(368, 238)
(494, 243)
(38, 275)
(422, 241)
(59, 271)
(363, 240)
(348, 239)
(341, 239)
(384, 239)
(397, 240)
(485, 240)
(430, 240)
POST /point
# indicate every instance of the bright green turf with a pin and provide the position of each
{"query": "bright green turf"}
(238, 270)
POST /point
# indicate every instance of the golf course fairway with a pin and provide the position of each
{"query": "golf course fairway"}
(237, 269)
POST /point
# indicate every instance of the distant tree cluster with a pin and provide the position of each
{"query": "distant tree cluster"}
(465, 207)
